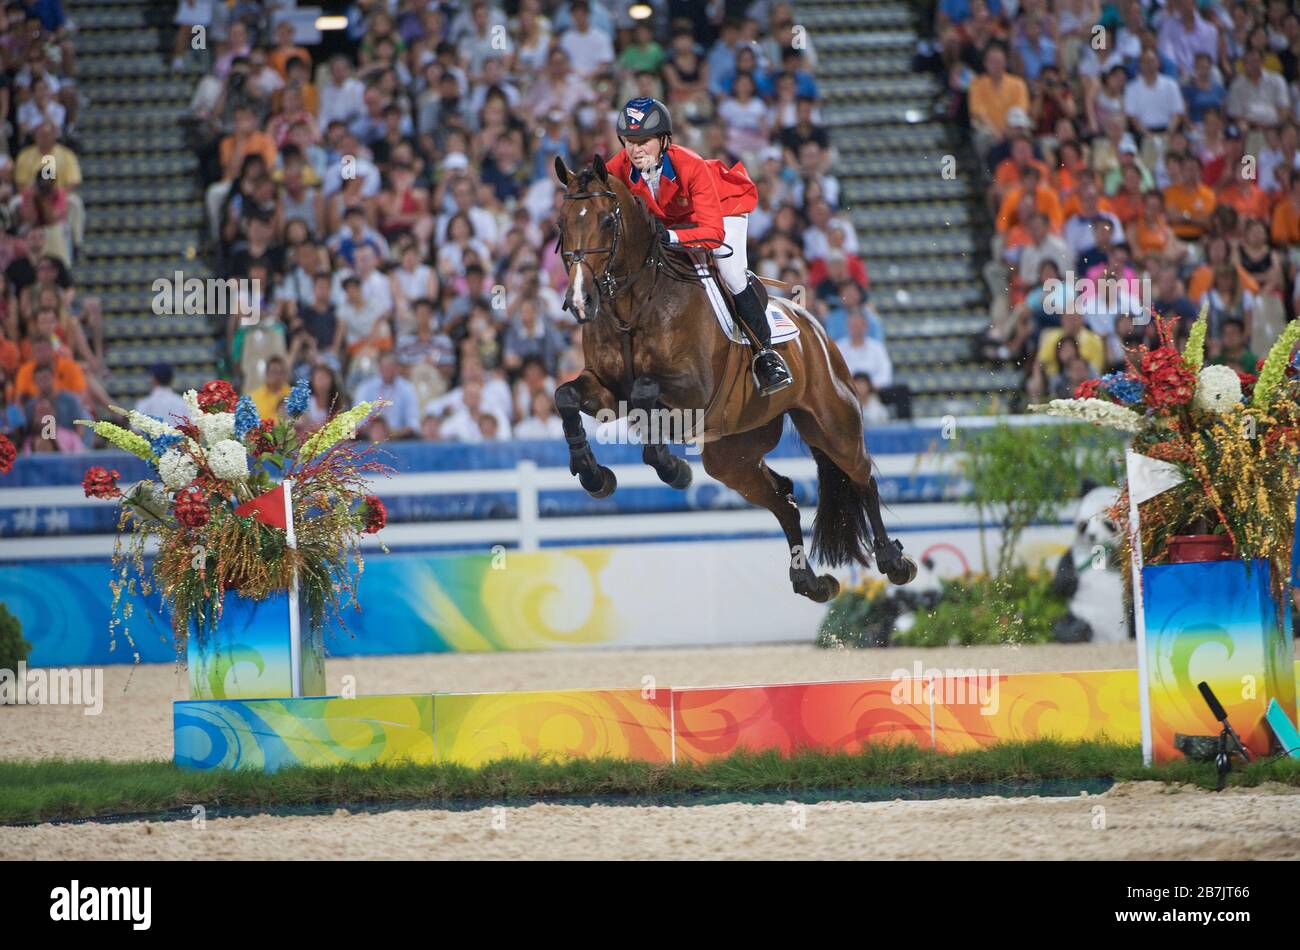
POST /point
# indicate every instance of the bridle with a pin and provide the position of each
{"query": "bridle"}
(607, 284)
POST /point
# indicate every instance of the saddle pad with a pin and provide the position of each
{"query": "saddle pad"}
(783, 328)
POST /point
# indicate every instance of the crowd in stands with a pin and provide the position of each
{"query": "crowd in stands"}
(51, 339)
(397, 202)
(1150, 144)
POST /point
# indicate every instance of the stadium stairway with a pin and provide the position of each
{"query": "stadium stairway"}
(144, 211)
(924, 237)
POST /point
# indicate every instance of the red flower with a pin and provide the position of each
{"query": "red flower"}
(218, 396)
(376, 514)
(191, 507)
(101, 483)
(7, 455)
(1087, 389)
(1168, 381)
(1247, 379)
(261, 439)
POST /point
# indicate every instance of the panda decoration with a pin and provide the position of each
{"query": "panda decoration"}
(1090, 578)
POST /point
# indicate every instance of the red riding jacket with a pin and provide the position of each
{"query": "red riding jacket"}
(691, 189)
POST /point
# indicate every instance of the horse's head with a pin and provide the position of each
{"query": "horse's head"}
(593, 238)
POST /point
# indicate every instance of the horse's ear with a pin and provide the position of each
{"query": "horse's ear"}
(598, 164)
(561, 171)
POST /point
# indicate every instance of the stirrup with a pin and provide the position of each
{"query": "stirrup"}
(781, 373)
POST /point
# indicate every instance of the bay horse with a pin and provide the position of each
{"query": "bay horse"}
(651, 341)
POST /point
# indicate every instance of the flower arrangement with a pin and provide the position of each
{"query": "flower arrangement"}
(217, 512)
(1232, 435)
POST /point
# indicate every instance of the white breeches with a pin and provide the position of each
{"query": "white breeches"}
(731, 259)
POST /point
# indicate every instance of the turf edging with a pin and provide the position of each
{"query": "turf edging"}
(55, 789)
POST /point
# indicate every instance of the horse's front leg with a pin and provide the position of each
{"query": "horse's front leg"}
(671, 469)
(586, 394)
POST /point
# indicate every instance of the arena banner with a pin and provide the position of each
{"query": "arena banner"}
(686, 593)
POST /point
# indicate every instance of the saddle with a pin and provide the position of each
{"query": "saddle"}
(724, 306)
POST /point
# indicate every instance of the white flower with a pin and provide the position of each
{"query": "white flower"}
(216, 427)
(228, 460)
(148, 499)
(177, 468)
(191, 399)
(1097, 411)
(148, 426)
(1218, 389)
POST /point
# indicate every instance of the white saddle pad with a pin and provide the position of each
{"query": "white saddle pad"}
(783, 328)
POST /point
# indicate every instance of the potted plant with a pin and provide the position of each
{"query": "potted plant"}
(247, 519)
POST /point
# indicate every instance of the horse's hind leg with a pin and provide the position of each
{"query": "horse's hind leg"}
(672, 470)
(585, 394)
(835, 433)
(737, 462)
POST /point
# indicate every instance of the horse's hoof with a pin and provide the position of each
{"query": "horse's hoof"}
(828, 588)
(903, 573)
(818, 589)
(681, 478)
(606, 486)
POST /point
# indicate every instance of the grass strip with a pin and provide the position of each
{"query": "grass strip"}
(53, 789)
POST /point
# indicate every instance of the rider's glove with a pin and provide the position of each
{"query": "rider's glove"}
(669, 237)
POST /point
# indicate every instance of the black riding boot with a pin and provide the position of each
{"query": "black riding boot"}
(770, 372)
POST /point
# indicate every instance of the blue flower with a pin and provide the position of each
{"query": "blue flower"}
(296, 402)
(1123, 387)
(246, 417)
(162, 443)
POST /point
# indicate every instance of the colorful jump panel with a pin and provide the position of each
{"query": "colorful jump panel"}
(475, 728)
(270, 734)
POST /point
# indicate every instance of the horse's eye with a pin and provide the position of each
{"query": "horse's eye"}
(607, 221)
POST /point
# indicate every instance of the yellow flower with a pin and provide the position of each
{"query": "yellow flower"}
(124, 439)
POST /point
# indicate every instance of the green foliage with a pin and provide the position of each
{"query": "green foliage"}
(1019, 606)
(1022, 475)
(858, 617)
(13, 648)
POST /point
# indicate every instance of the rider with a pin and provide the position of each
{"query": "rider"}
(679, 186)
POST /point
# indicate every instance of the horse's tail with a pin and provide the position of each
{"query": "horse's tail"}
(840, 533)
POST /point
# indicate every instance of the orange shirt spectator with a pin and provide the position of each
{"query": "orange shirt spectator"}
(1072, 206)
(9, 356)
(1126, 206)
(1202, 280)
(1184, 204)
(255, 143)
(1286, 218)
(1246, 198)
(278, 58)
(991, 100)
(67, 377)
(1152, 238)
(1045, 200)
(1008, 172)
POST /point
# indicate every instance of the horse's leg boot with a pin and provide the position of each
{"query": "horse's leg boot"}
(770, 372)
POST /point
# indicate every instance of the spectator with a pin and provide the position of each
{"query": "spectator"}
(865, 355)
(1189, 202)
(1232, 348)
(162, 402)
(993, 95)
(269, 397)
(403, 416)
